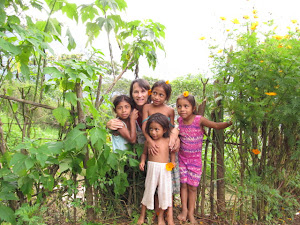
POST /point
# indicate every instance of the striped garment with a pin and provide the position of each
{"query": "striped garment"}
(189, 155)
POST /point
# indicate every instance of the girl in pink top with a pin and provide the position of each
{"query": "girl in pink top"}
(189, 156)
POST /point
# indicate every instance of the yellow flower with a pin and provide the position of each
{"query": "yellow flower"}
(220, 51)
(297, 29)
(246, 17)
(211, 56)
(227, 30)
(170, 166)
(288, 28)
(255, 151)
(167, 82)
(255, 16)
(201, 38)
(289, 47)
(294, 21)
(254, 25)
(277, 86)
(278, 37)
(280, 71)
(275, 28)
(222, 18)
(149, 92)
(271, 93)
(280, 46)
(261, 61)
(254, 11)
(186, 93)
(287, 36)
(235, 21)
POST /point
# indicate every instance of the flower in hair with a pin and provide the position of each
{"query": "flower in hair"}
(167, 82)
(149, 92)
(170, 166)
(186, 94)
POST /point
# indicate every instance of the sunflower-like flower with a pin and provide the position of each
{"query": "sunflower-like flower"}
(246, 17)
(254, 25)
(271, 93)
(149, 92)
(169, 166)
(186, 94)
(222, 18)
(201, 38)
(294, 21)
(254, 11)
(167, 82)
(235, 21)
(255, 151)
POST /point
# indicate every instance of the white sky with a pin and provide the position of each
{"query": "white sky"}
(187, 21)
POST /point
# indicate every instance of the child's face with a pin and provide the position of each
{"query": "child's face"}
(184, 108)
(158, 96)
(123, 110)
(139, 95)
(156, 131)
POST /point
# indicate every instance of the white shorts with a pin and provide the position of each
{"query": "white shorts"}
(158, 177)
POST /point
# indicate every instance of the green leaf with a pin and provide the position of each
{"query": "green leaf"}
(88, 12)
(25, 184)
(72, 43)
(2, 17)
(42, 158)
(61, 114)
(71, 97)
(53, 71)
(7, 46)
(7, 214)
(112, 160)
(55, 147)
(29, 163)
(75, 139)
(71, 10)
(25, 70)
(18, 163)
(133, 162)
(97, 133)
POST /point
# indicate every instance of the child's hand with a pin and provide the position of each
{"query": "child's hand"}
(142, 166)
(134, 114)
(152, 147)
(174, 164)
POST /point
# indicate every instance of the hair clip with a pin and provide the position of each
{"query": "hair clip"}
(186, 94)
(149, 92)
(167, 82)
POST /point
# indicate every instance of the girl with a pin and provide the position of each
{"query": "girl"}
(160, 94)
(158, 169)
(123, 109)
(189, 156)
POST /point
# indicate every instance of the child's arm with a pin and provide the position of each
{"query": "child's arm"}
(215, 125)
(152, 147)
(144, 157)
(172, 158)
(173, 144)
(130, 135)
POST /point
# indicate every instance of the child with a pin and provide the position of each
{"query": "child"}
(158, 168)
(123, 109)
(189, 156)
(160, 94)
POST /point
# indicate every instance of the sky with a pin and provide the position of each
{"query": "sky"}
(187, 21)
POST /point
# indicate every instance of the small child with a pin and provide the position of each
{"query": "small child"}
(123, 109)
(158, 168)
(160, 94)
(189, 156)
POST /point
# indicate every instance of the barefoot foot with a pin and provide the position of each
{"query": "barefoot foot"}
(140, 221)
(192, 219)
(182, 216)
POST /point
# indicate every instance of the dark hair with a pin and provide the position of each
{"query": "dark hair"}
(191, 100)
(167, 88)
(143, 84)
(161, 120)
(122, 98)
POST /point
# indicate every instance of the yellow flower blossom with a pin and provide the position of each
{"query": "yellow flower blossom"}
(227, 30)
(288, 28)
(149, 92)
(211, 56)
(220, 51)
(254, 25)
(275, 28)
(287, 36)
(255, 151)
(271, 93)
(294, 21)
(201, 38)
(186, 94)
(276, 87)
(167, 82)
(278, 37)
(255, 16)
(280, 46)
(261, 61)
(246, 17)
(170, 166)
(280, 71)
(289, 47)
(297, 29)
(254, 11)
(235, 21)
(222, 18)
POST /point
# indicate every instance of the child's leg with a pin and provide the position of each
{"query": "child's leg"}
(160, 217)
(184, 198)
(192, 195)
(141, 220)
(170, 219)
